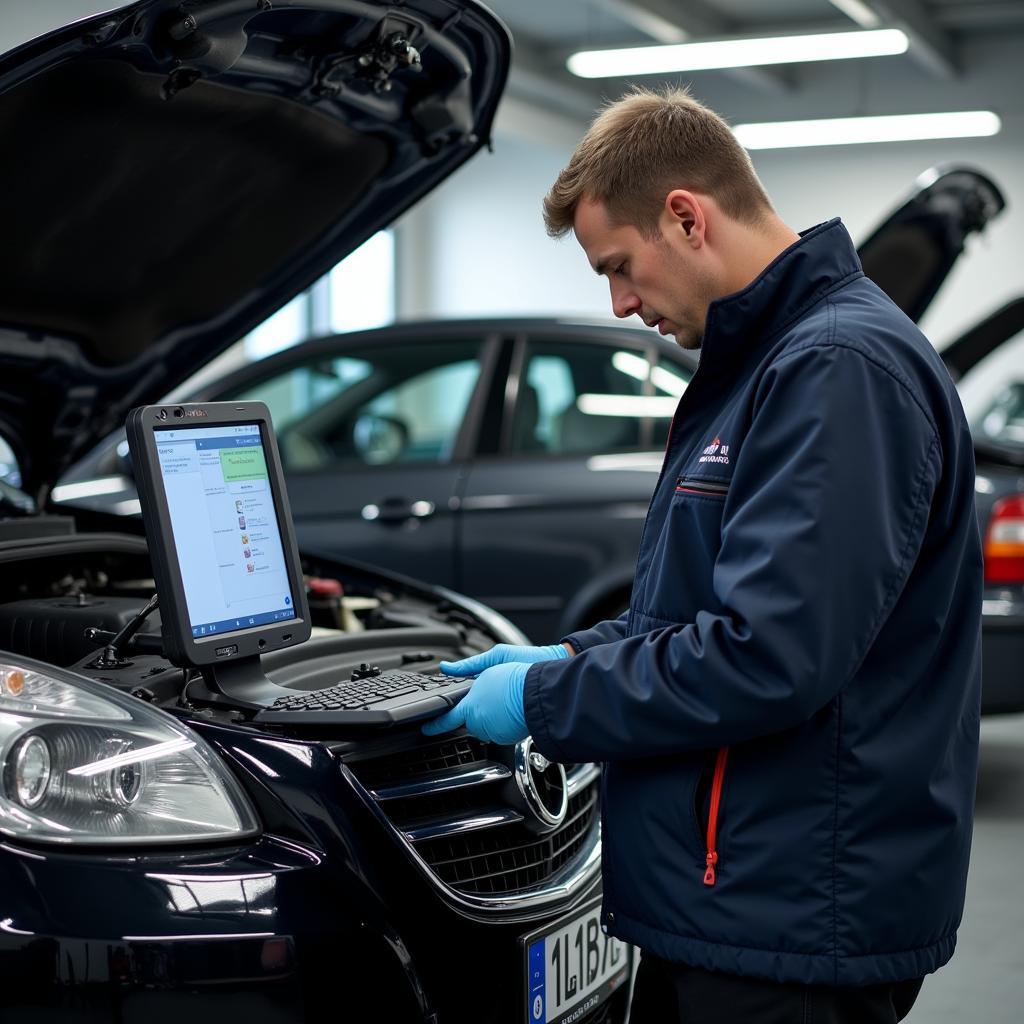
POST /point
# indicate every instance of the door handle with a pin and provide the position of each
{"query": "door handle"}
(398, 510)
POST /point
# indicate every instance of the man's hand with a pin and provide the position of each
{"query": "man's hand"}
(493, 708)
(502, 654)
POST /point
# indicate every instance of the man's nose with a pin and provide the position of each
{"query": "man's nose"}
(624, 302)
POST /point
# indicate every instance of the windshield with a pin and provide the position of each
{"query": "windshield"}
(1003, 422)
(993, 395)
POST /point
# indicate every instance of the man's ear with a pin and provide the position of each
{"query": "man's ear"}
(684, 214)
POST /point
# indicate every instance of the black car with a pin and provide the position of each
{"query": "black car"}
(994, 399)
(513, 460)
(174, 172)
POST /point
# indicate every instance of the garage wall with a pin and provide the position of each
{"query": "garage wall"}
(477, 246)
(859, 183)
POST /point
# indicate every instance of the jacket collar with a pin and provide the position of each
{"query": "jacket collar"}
(821, 260)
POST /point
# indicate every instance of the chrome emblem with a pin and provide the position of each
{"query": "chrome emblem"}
(543, 787)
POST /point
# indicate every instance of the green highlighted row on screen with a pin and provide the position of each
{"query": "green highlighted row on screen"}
(243, 464)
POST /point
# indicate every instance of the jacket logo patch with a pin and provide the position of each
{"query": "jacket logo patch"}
(716, 452)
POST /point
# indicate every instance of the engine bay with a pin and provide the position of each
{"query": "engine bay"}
(63, 599)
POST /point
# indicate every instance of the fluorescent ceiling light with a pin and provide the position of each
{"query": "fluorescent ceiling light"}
(635, 366)
(627, 405)
(91, 488)
(735, 53)
(641, 462)
(845, 131)
(150, 753)
(638, 368)
(666, 380)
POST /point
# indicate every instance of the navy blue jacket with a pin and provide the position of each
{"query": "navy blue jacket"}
(789, 711)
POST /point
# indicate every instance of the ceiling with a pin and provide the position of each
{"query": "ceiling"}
(963, 55)
(952, 43)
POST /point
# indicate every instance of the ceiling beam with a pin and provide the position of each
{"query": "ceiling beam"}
(930, 45)
(979, 14)
(651, 23)
(669, 21)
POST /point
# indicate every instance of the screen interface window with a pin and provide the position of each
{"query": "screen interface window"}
(225, 527)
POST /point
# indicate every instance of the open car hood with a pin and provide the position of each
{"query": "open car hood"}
(175, 172)
(912, 251)
(981, 340)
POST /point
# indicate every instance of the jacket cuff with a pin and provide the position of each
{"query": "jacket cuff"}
(536, 718)
(601, 633)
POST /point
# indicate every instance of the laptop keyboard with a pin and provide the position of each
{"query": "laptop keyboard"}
(363, 693)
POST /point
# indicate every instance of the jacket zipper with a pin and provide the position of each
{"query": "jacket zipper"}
(692, 486)
(716, 799)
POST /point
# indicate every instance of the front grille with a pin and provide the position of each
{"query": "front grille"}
(419, 761)
(456, 801)
(510, 858)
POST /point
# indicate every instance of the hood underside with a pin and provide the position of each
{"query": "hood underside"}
(177, 172)
(163, 214)
(912, 251)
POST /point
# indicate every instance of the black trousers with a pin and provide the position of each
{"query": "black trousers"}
(668, 993)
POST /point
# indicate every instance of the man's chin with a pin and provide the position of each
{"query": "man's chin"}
(688, 340)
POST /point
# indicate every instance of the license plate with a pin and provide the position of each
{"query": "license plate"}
(572, 967)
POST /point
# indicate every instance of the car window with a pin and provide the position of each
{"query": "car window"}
(1003, 420)
(431, 405)
(577, 397)
(568, 400)
(993, 395)
(391, 404)
(10, 471)
(668, 380)
(294, 394)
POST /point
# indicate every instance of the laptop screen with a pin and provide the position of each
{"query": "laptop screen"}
(226, 532)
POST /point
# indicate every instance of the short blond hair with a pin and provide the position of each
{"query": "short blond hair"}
(644, 145)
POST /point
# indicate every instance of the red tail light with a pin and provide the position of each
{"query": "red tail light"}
(1004, 541)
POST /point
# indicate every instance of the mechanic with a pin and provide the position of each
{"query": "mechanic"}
(788, 712)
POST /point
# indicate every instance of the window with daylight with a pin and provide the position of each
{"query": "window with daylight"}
(357, 294)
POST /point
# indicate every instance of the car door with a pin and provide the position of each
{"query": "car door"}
(370, 440)
(551, 519)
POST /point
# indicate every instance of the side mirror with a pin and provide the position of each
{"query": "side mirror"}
(379, 440)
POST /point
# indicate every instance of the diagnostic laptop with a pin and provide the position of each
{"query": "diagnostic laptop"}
(228, 574)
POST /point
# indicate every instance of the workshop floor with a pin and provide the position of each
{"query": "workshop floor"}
(984, 982)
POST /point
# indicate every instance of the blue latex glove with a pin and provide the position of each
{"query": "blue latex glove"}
(501, 654)
(493, 708)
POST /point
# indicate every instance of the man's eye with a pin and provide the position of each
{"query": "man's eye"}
(620, 269)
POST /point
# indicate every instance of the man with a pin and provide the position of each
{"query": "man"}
(788, 712)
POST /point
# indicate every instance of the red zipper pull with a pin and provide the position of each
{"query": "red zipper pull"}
(716, 800)
(709, 875)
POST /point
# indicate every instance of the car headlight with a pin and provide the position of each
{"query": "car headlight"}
(81, 763)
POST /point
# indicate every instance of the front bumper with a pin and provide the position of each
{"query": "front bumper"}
(1002, 654)
(261, 929)
(324, 911)
(264, 931)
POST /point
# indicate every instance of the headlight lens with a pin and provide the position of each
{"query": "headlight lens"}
(83, 764)
(30, 767)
